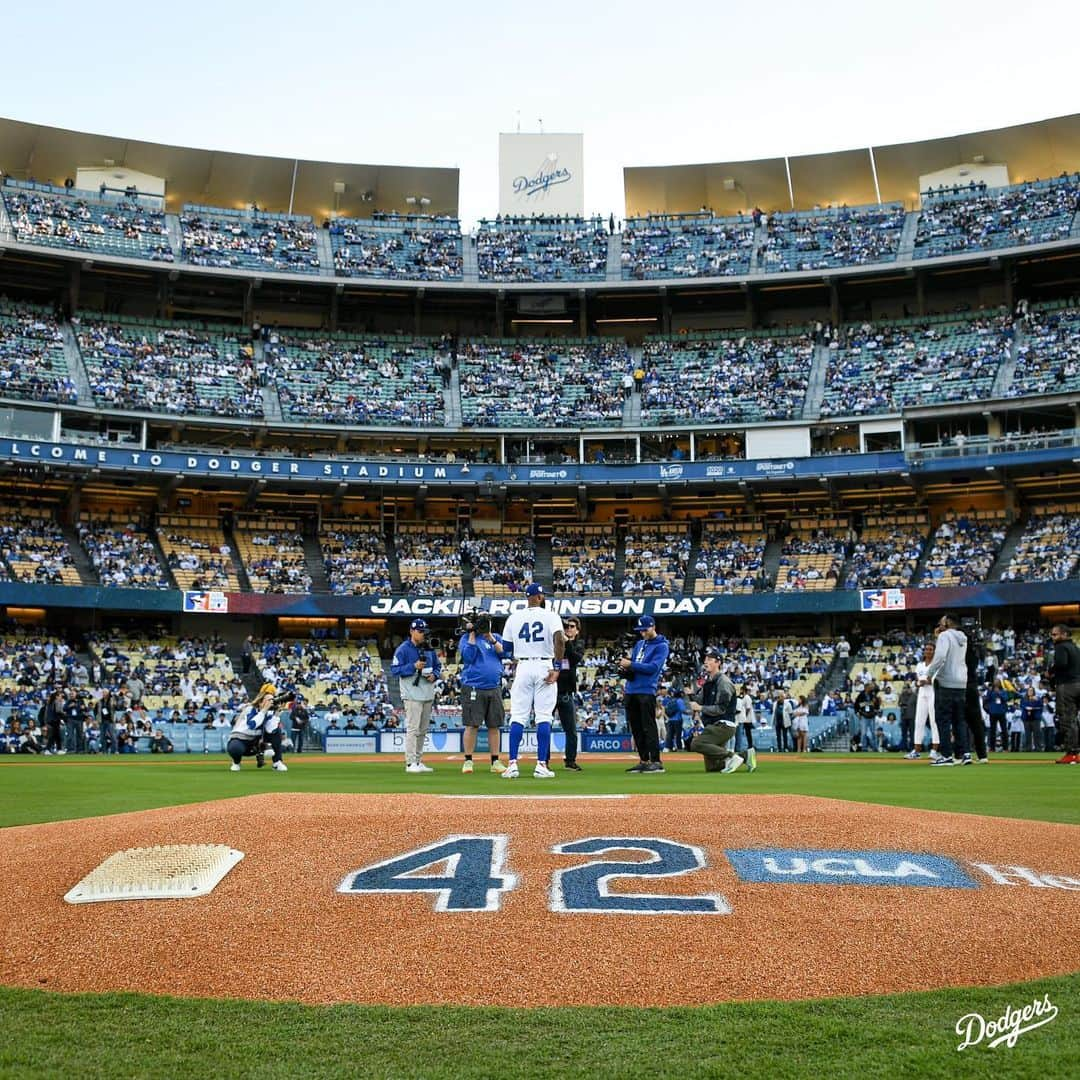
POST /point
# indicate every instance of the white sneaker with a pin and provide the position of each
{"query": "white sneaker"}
(466, 766)
(542, 772)
(511, 771)
(732, 763)
(418, 767)
(234, 767)
(934, 755)
(280, 766)
(914, 755)
(61, 751)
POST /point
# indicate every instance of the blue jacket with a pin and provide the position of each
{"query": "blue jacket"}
(996, 702)
(647, 665)
(405, 658)
(481, 664)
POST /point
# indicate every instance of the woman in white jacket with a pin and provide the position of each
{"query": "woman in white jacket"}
(253, 723)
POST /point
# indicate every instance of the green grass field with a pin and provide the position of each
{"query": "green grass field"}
(52, 1035)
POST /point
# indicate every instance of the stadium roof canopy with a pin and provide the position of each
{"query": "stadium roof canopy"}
(220, 178)
(1040, 150)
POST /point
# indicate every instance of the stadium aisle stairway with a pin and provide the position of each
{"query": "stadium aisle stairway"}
(87, 573)
(316, 566)
(1008, 549)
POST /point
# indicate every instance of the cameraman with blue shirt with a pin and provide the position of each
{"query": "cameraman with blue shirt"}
(417, 669)
(482, 655)
(642, 670)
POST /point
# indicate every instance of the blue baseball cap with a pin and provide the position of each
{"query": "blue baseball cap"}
(534, 589)
(645, 622)
(418, 624)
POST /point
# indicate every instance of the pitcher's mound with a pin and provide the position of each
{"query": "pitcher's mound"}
(773, 897)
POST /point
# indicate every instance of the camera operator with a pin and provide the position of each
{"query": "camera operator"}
(256, 723)
(642, 670)
(715, 703)
(973, 715)
(1065, 677)
(299, 719)
(482, 654)
(567, 685)
(417, 669)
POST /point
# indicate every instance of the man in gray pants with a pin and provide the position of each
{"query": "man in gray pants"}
(417, 669)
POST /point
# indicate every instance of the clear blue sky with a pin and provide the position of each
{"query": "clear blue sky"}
(433, 83)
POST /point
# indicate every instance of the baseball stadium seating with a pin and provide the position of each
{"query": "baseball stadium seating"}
(519, 382)
(731, 559)
(825, 239)
(169, 367)
(249, 240)
(502, 561)
(197, 554)
(32, 360)
(583, 559)
(429, 559)
(541, 249)
(974, 219)
(122, 552)
(33, 548)
(887, 551)
(355, 559)
(883, 367)
(657, 554)
(813, 553)
(272, 551)
(727, 378)
(1049, 547)
(55, 217)
(1048, 355)
(356, 379)
(412, 248)
(964, 548)
(698, 245)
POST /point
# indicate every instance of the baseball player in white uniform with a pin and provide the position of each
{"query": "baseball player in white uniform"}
(536, 636)
(924, 707)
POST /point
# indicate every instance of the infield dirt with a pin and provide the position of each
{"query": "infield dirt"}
(276, 928)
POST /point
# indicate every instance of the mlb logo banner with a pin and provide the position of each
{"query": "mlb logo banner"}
(206, 602)
(883, 600)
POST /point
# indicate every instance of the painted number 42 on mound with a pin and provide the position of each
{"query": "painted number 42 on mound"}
(468, 873)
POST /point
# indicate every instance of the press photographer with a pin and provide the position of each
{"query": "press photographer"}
(567, 685)
(715, 703)
(417, 667)
(482, 654)
(642, 670)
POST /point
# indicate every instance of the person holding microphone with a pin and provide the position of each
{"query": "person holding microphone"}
(417, 668)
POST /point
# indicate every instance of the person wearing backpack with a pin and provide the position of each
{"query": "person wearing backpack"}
(714, 703)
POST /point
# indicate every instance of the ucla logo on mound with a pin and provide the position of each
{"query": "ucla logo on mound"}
(782, 866)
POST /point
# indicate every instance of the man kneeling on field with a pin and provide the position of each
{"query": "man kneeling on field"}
(714, 703)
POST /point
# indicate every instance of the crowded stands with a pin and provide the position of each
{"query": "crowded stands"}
(887, 551)
(429, 560)
(686, 247)
(541, 249)
(1049, 547)
(197, 554)
(33, 548)
(824, 239)
(657, 555)
(249, 240)
(352, 379)
(502, 562)
(738, 378)
(32, 360)
(355, 560)
(583, 559)
(516, 383)
(416, 249)
(964, 548)
(813, 553)
(272, 551)
(1048, 355)
(731, 559)
(58, 217)
(169, 367)
(122, 552)
(883, 367)
(973, 218)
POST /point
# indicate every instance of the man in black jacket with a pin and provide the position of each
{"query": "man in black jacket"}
(868, 710)
(715, 703)
(1065, 676)
(567, 687)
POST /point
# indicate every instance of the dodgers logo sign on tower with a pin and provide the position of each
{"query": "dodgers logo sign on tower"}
(541, 174)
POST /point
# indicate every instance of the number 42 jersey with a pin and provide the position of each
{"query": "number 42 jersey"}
(532, 632)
